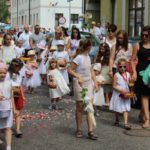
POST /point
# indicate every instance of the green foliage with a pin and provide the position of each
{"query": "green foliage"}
(4, 13)
(83, 95)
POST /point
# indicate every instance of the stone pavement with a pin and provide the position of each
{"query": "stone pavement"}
(55, 130)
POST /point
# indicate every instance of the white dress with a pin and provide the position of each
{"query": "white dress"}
(62, 87)
(33, 81)
(42, 65)
(7, 53)
(62, 55)
(6, 104)
(99, 99)
(117, 103)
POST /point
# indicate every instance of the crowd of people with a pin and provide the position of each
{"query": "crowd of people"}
(62, 62)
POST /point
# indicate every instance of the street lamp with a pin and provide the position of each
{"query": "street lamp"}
(69, 12)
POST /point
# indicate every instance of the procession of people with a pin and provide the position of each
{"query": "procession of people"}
(30, 59)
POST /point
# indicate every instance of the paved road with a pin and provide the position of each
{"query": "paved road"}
(54, 130)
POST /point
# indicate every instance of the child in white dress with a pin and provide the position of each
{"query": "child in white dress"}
(42, 58)
(19, 49)
(6, 105)
(99, 99)
(56, 83)
(18, 93)
(32, 76)
(120, 86)
(63, 59)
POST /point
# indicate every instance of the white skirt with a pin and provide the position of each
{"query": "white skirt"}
(99, 99)
(34, 81)
(118, 104)
(42, 67)
(6, 122)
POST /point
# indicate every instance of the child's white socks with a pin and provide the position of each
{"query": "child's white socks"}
(8, 148)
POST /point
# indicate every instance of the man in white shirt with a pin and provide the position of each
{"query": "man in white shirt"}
(25, 37)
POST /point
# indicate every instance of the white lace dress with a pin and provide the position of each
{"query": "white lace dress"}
(117, 103)
(62, 87)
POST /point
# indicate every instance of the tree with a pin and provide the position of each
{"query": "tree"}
(4, 12)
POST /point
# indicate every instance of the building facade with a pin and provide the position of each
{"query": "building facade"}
(130, 15)
(46, 13)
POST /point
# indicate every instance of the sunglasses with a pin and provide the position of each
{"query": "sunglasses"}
(145, 35)
(122, 66)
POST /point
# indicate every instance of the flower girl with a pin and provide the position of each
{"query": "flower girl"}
(56, 83)
(99, 99)
(6, 105)
(32, 76)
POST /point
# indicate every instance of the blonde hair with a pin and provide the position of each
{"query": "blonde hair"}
(53, 60)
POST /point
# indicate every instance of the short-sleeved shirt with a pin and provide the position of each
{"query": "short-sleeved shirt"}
(81, 68)
(37, 38)
(25, 38)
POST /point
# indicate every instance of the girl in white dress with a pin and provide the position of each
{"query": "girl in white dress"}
(63, 59)
(42, 58)
(32, 76)
(56, 83)
(6, 105)
(18, 93)
(120, 86)
(19, 49)
(99, 99)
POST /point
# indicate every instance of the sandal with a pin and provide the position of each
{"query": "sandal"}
(146, 124)
(79, 134)
(127, 127)
(18, 134)
(92, 136)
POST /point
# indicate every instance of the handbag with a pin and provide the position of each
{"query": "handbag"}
(18, 102)
(52, 84)
(4, 113)
(130, 94)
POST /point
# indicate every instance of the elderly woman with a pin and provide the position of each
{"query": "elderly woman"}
(142, 51)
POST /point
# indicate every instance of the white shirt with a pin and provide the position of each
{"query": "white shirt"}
(25, 38)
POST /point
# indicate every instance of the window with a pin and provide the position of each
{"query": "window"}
(136, 17)
(74, 18)
(57, 16)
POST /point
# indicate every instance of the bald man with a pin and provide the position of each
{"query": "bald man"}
(25, 37)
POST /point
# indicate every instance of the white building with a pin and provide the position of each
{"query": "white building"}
(46, 13)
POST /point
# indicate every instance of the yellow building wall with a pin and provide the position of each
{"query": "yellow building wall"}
(105, 10)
